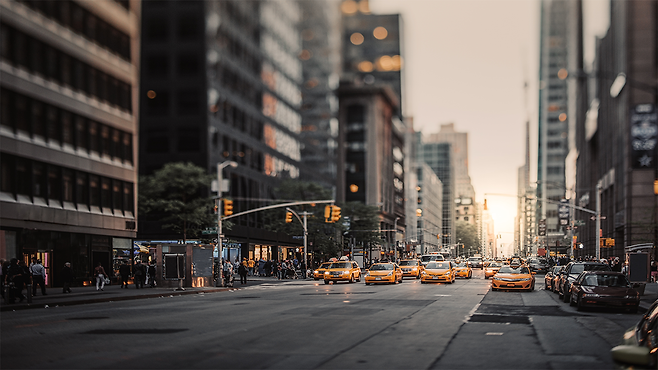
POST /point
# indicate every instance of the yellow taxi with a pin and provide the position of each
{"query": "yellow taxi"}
(463, 269)
(383, 273)
(492, 269)
(411, 268)
(513, 277)
(319, 272)
(435, 272)
(342, 271)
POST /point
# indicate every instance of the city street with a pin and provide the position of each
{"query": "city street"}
(310, 325)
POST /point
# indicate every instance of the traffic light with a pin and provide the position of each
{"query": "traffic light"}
(228, 207)
(327, 213)
(214, 209)
(335, 213)
(288, 217)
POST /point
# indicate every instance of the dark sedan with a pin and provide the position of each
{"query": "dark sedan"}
(604, 289)
(571, 272)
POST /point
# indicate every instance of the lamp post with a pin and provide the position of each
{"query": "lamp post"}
(220, 190)
(599, 189)
(395, 233)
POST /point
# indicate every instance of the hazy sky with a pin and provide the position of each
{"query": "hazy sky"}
(466, 62)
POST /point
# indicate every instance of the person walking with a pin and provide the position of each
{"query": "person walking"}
(251, 264)
(38, 277)
(242, 271)
(100, 274)
(124, 273)
(15, 275)
(140, 275)
(227, 269)
(67, 277)
(151, 273)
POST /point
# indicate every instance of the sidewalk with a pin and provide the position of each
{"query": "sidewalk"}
(114, 292)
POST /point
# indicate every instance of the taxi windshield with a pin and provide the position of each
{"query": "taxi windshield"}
(494, 264)
(438, 265)
(325, 265)
(409, 263)
(340, 265)
(513, 270)
(381, 267)
(462, 264)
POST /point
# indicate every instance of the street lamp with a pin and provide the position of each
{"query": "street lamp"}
(395, 233)
(220, 190)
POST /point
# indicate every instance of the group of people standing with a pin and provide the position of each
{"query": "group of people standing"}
(16, 275)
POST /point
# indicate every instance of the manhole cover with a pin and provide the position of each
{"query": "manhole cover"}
(134, 331)
(502, 319)
(88, 318)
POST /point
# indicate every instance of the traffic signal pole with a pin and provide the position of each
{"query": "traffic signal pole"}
(304, 224)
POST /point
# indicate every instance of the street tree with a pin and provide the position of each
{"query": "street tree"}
(176, 196)
(469, 236)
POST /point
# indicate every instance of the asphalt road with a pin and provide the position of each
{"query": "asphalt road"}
(309, 325)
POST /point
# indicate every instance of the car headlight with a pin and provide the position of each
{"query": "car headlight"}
(590, 295)
(632, 297)
(367, 273)
(345, 272)
(415, 269)
(326, 272)
(315, 272)
(390, 273)
(423, 273)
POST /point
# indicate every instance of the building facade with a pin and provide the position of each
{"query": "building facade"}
(68, 77)
(617, 158)
(222, 81)
(561, 59)
(439, 156)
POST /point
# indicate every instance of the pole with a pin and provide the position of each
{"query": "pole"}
(220, 252)
(599, 189)
(305, 246)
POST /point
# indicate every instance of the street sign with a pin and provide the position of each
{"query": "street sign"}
(579, 223)
(209, 231)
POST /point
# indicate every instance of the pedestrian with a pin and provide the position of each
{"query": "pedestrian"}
(267, 267)
(151, 274)
(140, 274)
(38, 277)
(227, 269)
(67, 277)
(261, 266)
(242, 271)
(251, 264)
(15, 275)
(654, 271)
(100, 274)
(124, 273)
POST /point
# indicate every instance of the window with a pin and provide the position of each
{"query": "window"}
(188, 102)
(54, 187)
(106, 193)
(187, 65)
(94, 191)
(81, 191)
(188, 139)
(23, 180)
(156, 29)
(81, 138)
(52, 124)
(128, 197)
(21, 117)
(38, 180)
(38, 122)
(106, 143)
(6, 174)
(67, 128)
(157, 65)
(93, 137)
(67, 186)
(158, 106)
(117, 190)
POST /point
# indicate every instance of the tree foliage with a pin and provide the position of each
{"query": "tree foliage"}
(469, 236)
(324, 238)
(176, 196)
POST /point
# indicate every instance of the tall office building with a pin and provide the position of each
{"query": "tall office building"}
(560, 64)
(222, 82)
(320, 58)
(440, 158)
(372, 49)
(427, 210)
(459, 141)
(618, 155)
(68, 70)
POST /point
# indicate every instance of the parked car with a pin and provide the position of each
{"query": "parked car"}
(603, 289)
(550, 275)
(570, 274)
(639, 345)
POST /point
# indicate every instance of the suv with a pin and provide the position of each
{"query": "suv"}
(427, 258)
(570, 274)
(476, 262)
(537, 265)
